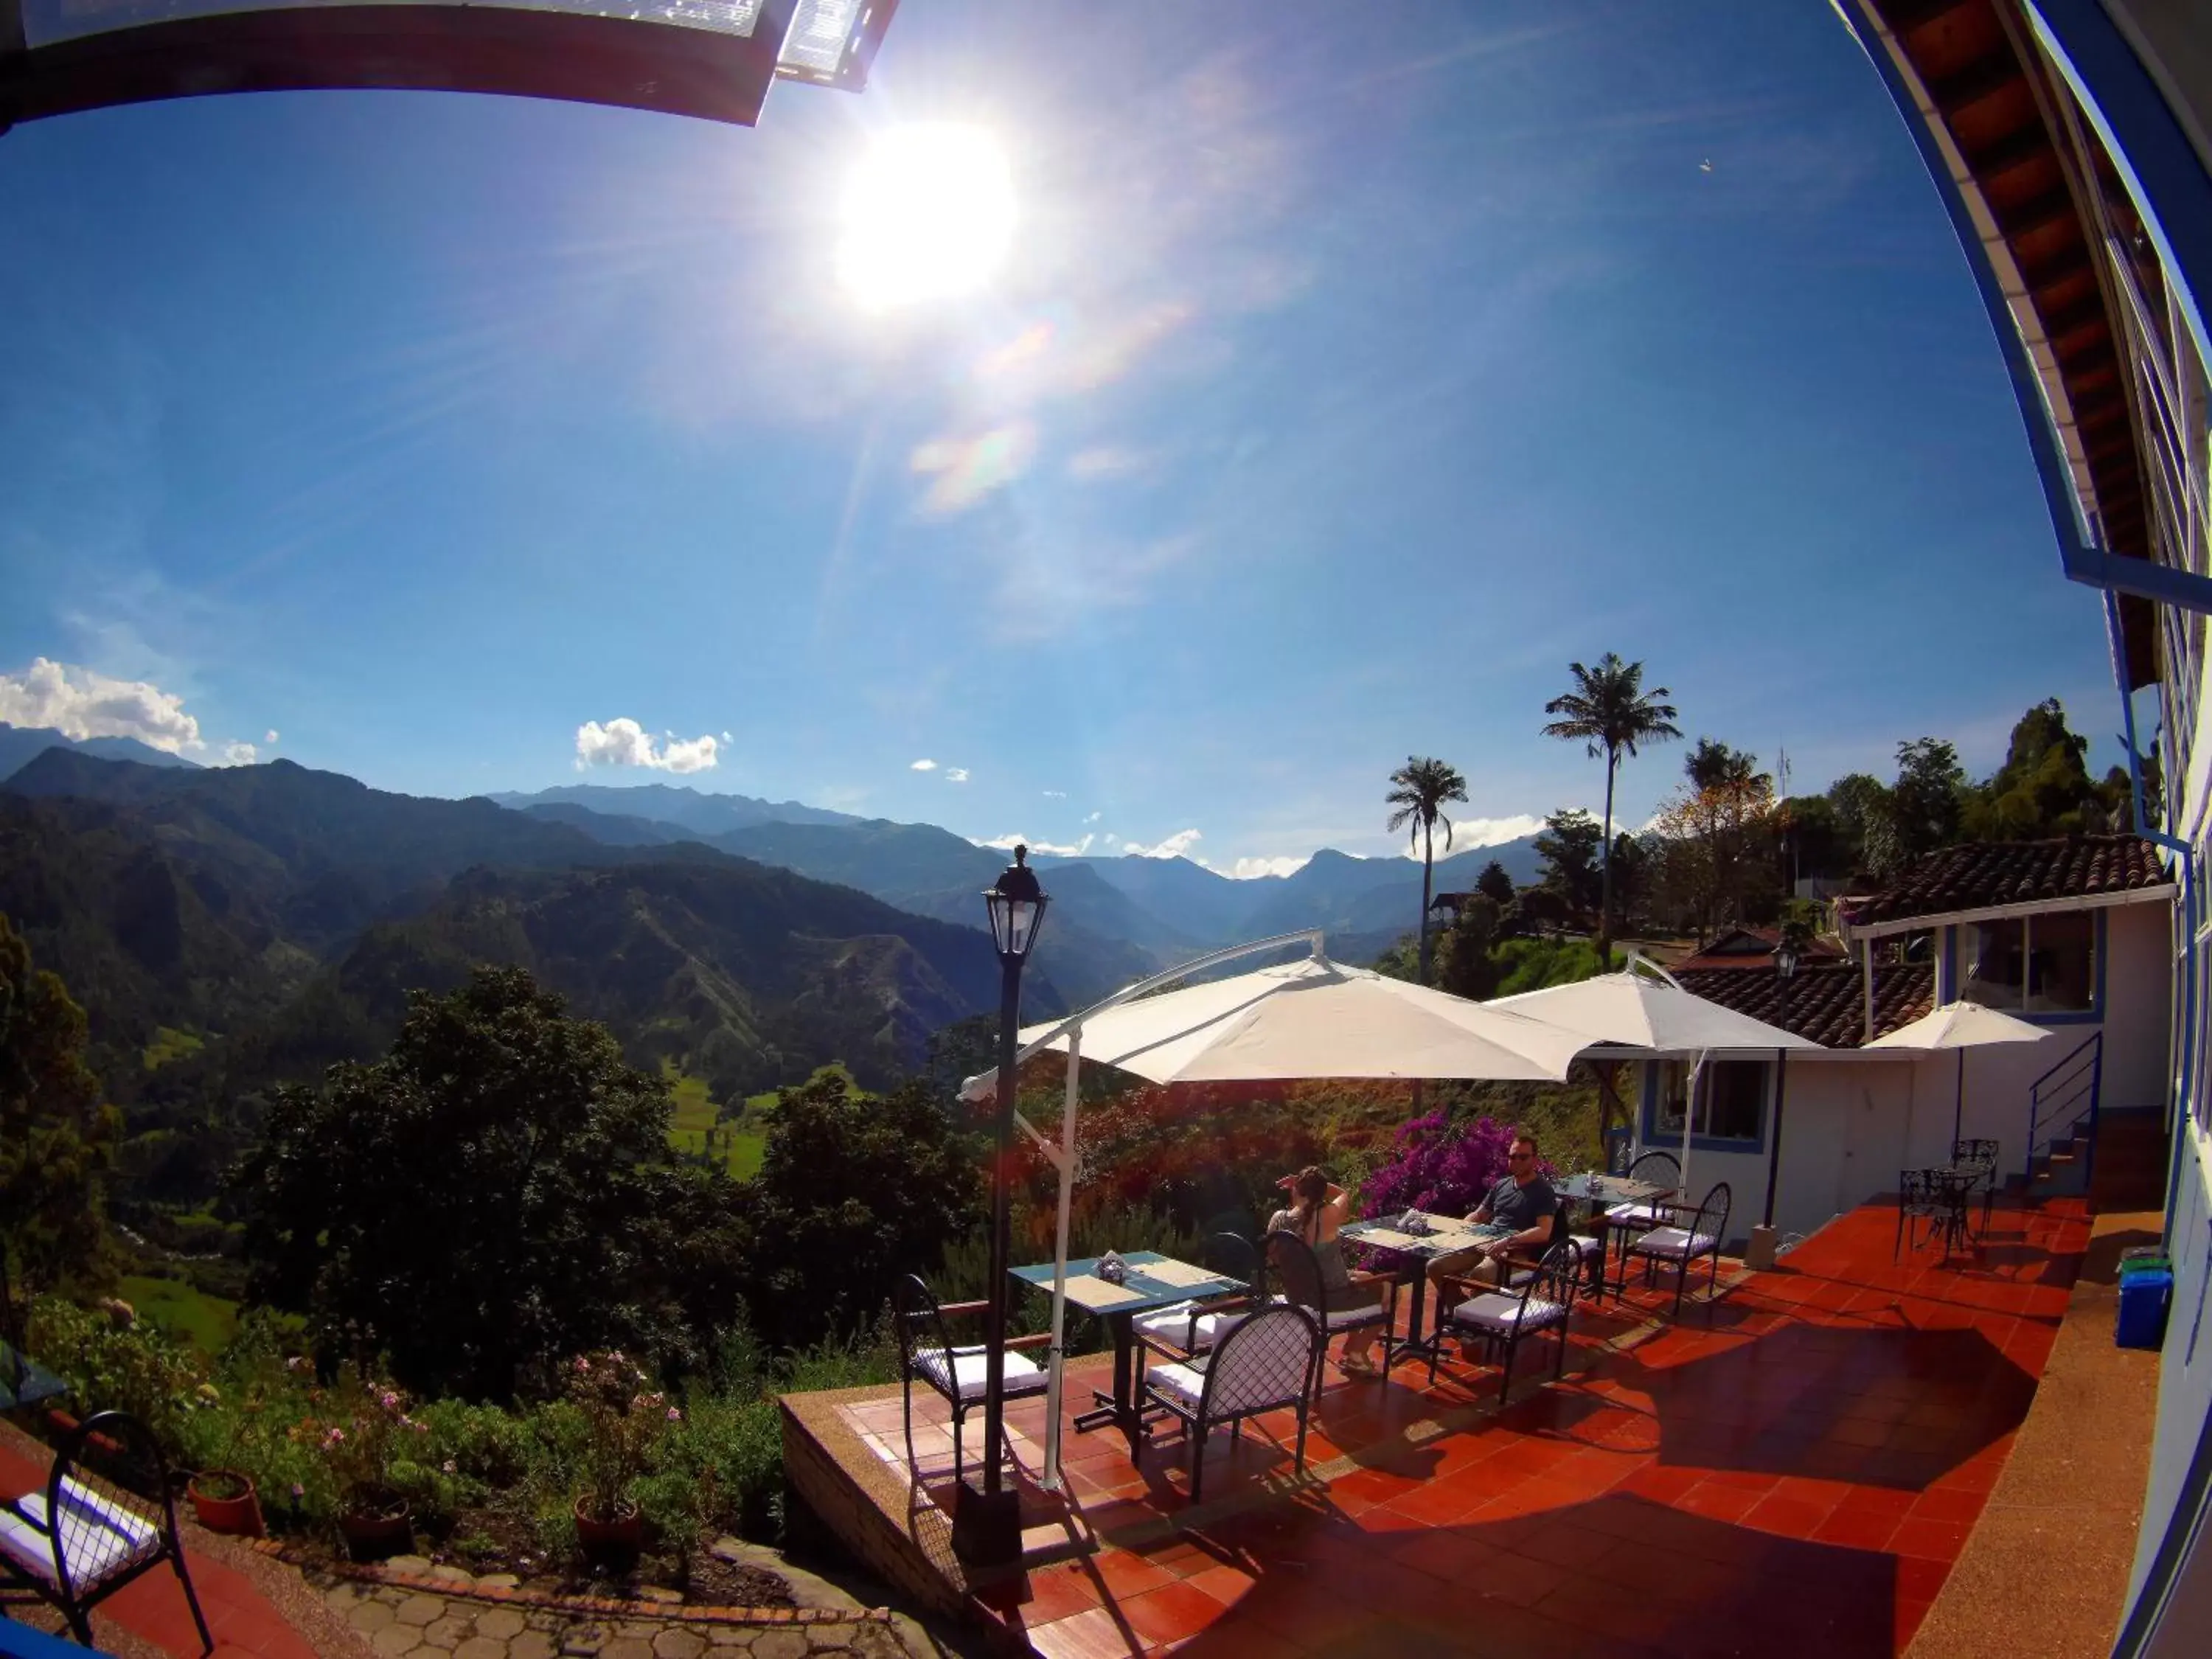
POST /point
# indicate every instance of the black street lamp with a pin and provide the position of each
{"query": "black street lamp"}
(1785, 970)
(986, 1525)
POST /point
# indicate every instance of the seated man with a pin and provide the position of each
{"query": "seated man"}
(1522, 1200)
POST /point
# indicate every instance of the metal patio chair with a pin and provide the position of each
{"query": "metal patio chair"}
(1497, 1317)
(1193, 1328)
(1681, 1247)
(1298, 1272)
(108, 1515)
(1981, 1153)
(925, 1355)
(1918, 1199)
(1263, 1363)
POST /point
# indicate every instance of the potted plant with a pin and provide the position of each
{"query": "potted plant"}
(354, 1437)
(626, 1420)
(223, 1495)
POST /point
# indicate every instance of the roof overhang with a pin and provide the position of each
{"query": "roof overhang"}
(2161, 893)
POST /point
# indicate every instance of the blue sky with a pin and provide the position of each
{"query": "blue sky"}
(1344, 384)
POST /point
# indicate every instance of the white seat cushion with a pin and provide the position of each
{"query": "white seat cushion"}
(100, 1539)
(1184, 1384)
(1586, 1242)
(1493, 1312)
(1175, 1325)
(1672, 1242)
(1635, 1215)
(1019, 1374)
(1344, 1319)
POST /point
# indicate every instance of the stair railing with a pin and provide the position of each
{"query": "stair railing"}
(2053, 1098)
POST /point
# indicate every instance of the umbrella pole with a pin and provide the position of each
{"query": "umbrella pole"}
(1959, 1108)
(1690, 1117)
(1051, 1481)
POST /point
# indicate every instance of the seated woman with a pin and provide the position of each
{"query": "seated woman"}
(1318, 1209)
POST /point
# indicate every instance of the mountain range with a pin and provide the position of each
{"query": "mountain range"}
(230, 928)
(21, 744)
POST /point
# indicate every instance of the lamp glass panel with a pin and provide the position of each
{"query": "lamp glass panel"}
(1022, 925)
(819, 34)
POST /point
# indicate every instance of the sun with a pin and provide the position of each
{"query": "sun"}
(928, 214)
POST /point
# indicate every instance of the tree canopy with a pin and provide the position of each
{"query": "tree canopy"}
(57, 1135)
(495, 1193)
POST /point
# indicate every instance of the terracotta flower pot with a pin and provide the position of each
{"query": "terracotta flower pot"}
(225, 1501)
(621, 1536)
(377, 1525)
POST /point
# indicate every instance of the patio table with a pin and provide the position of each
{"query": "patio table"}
(1118, 1305)
(1424, 1237)
(1955, 1184)
(1600, 1193)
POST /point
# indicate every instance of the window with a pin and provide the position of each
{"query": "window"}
(2031, 964)
(1731, 1099)
(1994, 952)
(2062, 962)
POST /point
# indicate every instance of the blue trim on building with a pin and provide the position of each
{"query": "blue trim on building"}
(2150, 152)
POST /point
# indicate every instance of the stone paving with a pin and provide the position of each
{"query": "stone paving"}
(412, 1607)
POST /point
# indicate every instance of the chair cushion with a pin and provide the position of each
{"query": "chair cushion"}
(1175, 1326)
(1491, 1312)
(1344, 1319)
(1635, 1215)
(99, 1539)
(1184, 1384)
(1672, 1242)
(1020, 1375)
(1586, 1242)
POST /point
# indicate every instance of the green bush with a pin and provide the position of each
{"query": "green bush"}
(138, 1369)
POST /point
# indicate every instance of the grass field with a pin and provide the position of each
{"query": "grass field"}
(207, 1322)
(695, 1117)
(169, 1044)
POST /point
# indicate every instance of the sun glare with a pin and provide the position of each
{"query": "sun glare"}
(928, 214)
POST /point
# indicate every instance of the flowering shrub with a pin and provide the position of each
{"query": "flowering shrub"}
(627, 1420)
(364, 1439)
(1439, 1166)
(136, 1367)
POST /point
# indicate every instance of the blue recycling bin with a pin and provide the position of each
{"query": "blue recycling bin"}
(2143, 1299)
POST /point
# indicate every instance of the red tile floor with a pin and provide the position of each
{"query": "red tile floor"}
(152, 1607)
(1790, 1470)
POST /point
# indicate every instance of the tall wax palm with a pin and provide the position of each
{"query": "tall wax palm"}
(1609, 711)
(1418, 790)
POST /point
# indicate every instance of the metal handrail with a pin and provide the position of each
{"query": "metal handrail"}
(2063, 1089)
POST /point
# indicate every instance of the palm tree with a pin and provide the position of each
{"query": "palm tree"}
(1418, 790)
(1609, 711)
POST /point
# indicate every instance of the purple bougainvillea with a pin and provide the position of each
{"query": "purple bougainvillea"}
(1436, 1165)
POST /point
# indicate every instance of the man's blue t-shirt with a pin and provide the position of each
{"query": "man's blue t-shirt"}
(1519, 1208)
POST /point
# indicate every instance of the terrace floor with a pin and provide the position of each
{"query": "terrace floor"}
(1793, 1469)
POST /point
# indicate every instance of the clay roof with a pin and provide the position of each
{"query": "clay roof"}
(1736, 950)
(1823, 1002)
(1984, 875)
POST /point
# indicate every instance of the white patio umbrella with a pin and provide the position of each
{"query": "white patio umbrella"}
(1959, 1025)
(1649, 1009)
(1312, 1019)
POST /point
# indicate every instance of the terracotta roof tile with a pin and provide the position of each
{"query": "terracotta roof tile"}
(1983, 875)
(1823, 1002)
(1748, 947)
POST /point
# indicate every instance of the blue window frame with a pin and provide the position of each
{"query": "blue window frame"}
(1734, 1094)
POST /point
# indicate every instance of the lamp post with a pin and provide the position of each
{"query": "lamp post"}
(987, 1524)
(1785, 970)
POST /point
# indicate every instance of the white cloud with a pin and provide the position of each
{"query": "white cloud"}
(922, 766)
(1055, 794)
(1174, 847)
(625, 743)
(235, 753)
(1094, 817)
(1480, 832)
(80, 704)
(726, 737)
(1247, 869)
(1057, 849)
(270, 737)
(956, 775)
